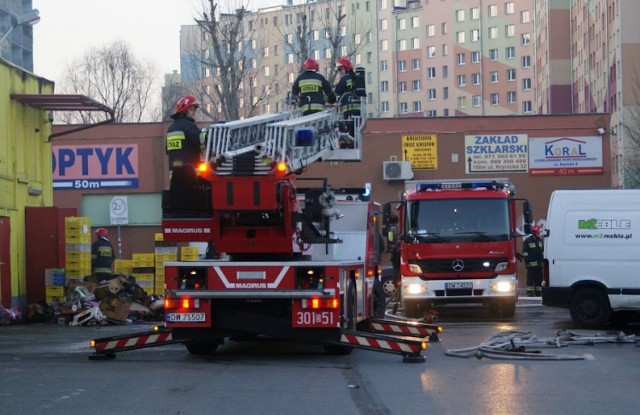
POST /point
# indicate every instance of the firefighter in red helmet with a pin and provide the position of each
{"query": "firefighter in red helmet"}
(102, 256)
(346, 92)
(183, 136)
(533, 256)
(310, 88)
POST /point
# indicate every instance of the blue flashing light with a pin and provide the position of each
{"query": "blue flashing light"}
(366, 192)
(423, 187)
(304, 137)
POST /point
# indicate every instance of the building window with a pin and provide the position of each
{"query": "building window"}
(475, 35)
(402, 66)
(403, 108)
(476, 101)
(415, 43)
(460, 15)
(511, 52)
(445, 71)
(431, 73)
(384, 44)
(509, 8)
(443, 28)
(461, 58)
(431, 30)
(417, 106)
(526, 106)
(462, 80)
(431, 51)
(524, 16)
(526, 84)
(510, 30)
(415, 85)
(493, 10)
(493, 54)
(475, 13)
(384, 86)
(460, 37)
(402, 44)
(384, 66)
(511, 74)
(511, 97)
(495, 99)
(415, 64)
(385, 106)
(402, 24)
(402, 86)
(415, 21)
(494, 77)
(493, 32)
(383, 24)
(526, 38)
(526, 61)
(432, 94)
(432, 113)
(462, 102)
(475, 56)
(445, 50)
(327, 54)
(445, 92)
(475, 78)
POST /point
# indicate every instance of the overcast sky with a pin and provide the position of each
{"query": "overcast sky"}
(69, 28)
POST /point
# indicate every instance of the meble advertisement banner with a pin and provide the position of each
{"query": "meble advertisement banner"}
(560, 156)
(95, 167)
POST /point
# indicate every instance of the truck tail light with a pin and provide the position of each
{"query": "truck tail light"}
(183, 303)
(318, 303)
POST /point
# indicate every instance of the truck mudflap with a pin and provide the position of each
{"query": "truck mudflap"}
(106, 347)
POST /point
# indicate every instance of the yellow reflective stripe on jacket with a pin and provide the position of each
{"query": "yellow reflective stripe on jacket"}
(175, 140)
(308, 86)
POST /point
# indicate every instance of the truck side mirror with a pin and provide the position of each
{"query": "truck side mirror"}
(527, 228)
(526, 210)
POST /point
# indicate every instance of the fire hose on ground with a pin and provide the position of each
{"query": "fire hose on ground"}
(516, 345)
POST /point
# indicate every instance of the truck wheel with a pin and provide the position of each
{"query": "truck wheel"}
(505, 308)
(389, 286)
(412, 309)
(201, 348)
(590, 308)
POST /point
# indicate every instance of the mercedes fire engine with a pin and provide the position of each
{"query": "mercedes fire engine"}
(457, 242)
(295, 262)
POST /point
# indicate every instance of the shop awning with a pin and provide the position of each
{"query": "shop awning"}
(64, 102)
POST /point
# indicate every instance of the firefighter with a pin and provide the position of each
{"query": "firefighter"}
(310, 88)
(183, 136)
(346, 92)
(533, 255)
(102, 256)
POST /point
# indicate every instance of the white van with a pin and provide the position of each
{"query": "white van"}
(592, 255)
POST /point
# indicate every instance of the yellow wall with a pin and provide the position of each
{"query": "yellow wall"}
(25, 162)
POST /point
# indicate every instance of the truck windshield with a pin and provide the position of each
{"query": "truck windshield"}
(458, 220)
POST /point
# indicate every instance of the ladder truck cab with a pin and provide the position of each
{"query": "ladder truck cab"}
(294, 262)
(457, 242)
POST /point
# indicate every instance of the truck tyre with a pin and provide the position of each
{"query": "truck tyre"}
(503, 308)
(590, 308)
(201, 348)
(389, 286)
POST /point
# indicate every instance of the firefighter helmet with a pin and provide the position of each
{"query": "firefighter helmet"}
(535, 230)
(185, 103)
(102, 232)
(311, 65)
(344, 62)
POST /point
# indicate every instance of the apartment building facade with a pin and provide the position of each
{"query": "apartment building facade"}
(17, 48)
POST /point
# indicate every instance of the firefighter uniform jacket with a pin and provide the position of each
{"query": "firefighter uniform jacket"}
(102, 256)
(183, 141)
(349, 101)
(310, 88)
(533, 252)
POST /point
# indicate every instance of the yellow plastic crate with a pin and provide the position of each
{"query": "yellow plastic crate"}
(78, 222)
(143, 277)
(159, 237)
(143, 260)
(77, 274)
(189, 253)
(123, 266)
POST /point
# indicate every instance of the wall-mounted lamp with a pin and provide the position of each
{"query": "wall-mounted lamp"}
(614, 130)
(33, 191)
(30, 18)
(601, 130)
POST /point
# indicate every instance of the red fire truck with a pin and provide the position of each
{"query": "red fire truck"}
(299, 262)
(457, 242)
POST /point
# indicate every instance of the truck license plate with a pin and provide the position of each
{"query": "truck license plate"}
(185, 317)
(458, 285)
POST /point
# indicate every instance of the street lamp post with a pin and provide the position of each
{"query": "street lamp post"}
(31, 17)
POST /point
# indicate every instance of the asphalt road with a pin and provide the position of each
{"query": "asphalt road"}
(45, 369)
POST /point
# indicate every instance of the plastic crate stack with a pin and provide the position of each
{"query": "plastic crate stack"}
(143, 271)
(77, 234)
(165, 252)
(54, 284)
(123, 266)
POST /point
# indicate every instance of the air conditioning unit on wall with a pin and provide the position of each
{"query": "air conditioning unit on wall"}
(397, 170)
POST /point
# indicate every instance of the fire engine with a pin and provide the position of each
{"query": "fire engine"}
(297, 260)
(457, 242)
